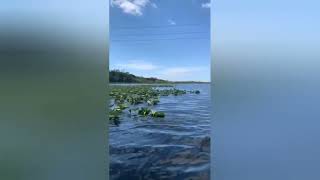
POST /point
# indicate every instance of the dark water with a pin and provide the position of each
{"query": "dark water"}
(174, 147)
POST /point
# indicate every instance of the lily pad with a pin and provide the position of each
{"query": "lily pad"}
(144, 111)
(157, 114)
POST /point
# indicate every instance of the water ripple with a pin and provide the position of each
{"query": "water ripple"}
(176, 147)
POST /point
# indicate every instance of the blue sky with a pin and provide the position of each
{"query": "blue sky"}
(168, 39)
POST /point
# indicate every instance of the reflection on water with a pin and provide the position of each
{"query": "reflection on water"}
(174, 147)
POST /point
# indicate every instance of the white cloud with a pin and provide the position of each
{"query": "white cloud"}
(154, 5)
(141, 2)
(171, 22)
(133, 7)
(137, 65)
(206, 5)
(176, 73)
(180, 73)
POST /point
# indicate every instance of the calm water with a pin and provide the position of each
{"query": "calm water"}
(174, 147)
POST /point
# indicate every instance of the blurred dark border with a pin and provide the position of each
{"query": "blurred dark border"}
(54, 79)
(265, 90)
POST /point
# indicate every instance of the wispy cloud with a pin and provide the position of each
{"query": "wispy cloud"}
(137, 65)
(175, 73)
(206, 5)
(171, 22)
(154, 5)
(180, 73)
(133, 7)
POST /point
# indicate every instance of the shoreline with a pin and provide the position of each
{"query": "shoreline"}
(169, 83)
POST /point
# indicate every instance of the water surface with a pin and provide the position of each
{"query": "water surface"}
(174, 147)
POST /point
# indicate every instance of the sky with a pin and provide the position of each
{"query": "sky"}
(167, 39)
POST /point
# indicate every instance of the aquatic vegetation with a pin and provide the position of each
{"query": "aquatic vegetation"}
(122, 106)
(118, 109)
(154, 101)
(157, 114)
(195, 92)
(144, 111)
(131, 96)
(176, 92)
(114, 116)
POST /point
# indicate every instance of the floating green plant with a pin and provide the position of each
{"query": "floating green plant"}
(157, 114)
(154, 101)
(121, 106)
(144, 111)
(195, 92)
(114, 116)
(136, 98)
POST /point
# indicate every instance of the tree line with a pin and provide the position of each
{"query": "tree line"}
(117, 76)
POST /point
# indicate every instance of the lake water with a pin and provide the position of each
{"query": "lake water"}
(175, 147)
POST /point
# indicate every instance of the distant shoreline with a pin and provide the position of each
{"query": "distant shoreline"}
(191, 82)
(121, 77)
(168, 83)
